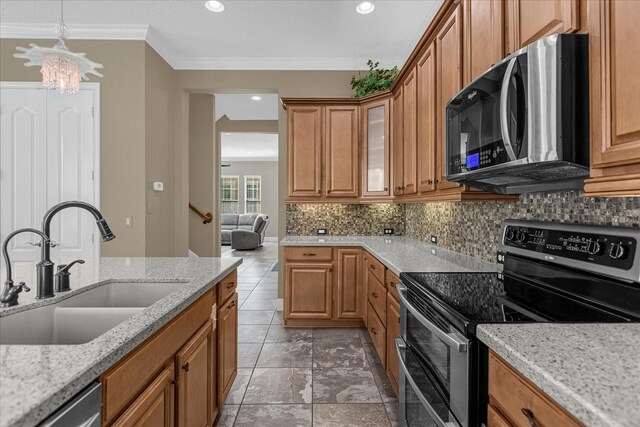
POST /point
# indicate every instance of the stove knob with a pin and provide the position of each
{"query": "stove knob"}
(511, 234)
(522, 236)
(617, 251)
(594, 248)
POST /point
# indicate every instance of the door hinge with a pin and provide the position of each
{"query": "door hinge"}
(93, 175)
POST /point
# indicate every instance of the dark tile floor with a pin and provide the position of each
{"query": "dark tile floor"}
(300, 377)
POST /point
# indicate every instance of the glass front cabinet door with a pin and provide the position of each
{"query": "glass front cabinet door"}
(376, 141)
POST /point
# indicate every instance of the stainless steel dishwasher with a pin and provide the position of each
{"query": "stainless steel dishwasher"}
(84, 410)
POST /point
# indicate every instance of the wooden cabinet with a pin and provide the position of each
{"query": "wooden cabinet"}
(341, 151)
(197, 401)
(530, 20)
(398, 143)
(155, 406)
(377, 331)
(308, 290)
(350, 288)
(614, 74)
(483, 36)
(515, 401)
(304, 151)
(426, 79)
(376, 149)
(393, 332)
(227, 347)
(494, 419)
(449, 82)
(377, 296)
(410, 133)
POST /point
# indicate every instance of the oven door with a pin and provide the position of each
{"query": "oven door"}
(434, 362)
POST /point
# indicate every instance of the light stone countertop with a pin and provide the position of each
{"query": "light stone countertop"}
(35, 380)
(591, 370)
(402, 254)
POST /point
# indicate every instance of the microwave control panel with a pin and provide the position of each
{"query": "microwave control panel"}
(601, 249)
(478, 158)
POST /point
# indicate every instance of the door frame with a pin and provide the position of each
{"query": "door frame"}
(95, 88)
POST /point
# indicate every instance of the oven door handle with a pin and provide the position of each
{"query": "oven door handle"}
(504, 117)
(400, 346)
(450, 339)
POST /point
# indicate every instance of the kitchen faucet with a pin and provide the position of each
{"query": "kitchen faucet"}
(45, 266)
(9, 296)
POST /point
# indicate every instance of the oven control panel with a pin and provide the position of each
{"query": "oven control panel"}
(595, 248)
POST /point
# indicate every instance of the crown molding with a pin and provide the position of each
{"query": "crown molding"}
(309, 64)
(76, 31)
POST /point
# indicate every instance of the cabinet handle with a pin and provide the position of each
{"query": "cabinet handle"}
(429, 182)
(185, 367)
(386, 188)
(373, 267)
(233, 304)
(437, 181)
(373, 331)
(328, 191)
(373, 294)
(231, 285)
(308, 254)
(530, 417)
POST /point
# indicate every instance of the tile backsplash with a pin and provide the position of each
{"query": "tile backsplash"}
(468, 227)
(344, 219)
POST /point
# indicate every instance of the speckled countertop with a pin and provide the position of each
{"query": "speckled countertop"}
(37, 379)
(402, 254)
(592, 370)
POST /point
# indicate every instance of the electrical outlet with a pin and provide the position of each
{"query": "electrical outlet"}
(434, 239)
(321, 231)
(388, 231)
(500, 257)
(128, 222)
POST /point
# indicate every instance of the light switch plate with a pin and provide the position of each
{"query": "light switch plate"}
(321, 231)
(128, 222)
(434, 239)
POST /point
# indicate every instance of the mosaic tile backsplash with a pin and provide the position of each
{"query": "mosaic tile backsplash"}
(344, 219)
(471, 228)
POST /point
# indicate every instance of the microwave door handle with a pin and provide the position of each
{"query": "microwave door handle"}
(504, 117)
(400, 347)
(450, 339)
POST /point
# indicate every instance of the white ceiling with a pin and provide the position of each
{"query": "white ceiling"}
(249, 147)
(250, 34)
(241, 107)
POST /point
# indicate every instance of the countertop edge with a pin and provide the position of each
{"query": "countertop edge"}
(35, 414)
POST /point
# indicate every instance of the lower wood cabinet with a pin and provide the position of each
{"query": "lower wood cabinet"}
(378, 333)
(155, 406)
(350, 289)
(197, 400)
(227, 347)
(515, 401)
(308, 290)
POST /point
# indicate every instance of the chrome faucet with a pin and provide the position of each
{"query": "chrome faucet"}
(9, 296)
(45, 266)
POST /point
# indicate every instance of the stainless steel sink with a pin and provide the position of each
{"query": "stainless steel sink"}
(83, 317)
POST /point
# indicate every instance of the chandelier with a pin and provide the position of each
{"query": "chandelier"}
(61, 69)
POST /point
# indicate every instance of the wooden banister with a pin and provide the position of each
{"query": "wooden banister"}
(206, 217)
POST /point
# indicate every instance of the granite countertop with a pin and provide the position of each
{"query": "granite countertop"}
(592, 370)
(37, 379)
(402, 254)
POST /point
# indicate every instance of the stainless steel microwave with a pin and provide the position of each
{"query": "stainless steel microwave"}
(523, 126)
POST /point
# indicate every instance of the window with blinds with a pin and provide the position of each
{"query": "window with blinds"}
(253, 194)
(229, 189)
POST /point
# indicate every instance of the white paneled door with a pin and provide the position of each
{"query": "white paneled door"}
(49, 151)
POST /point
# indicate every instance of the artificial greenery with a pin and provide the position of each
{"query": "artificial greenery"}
(376, 80)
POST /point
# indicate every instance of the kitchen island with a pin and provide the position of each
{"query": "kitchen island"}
(35, 380)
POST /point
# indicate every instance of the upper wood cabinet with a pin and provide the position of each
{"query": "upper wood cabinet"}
(341, 151)
(227, 347)
(530, 20)
(483, 36)
(449, 82)
(410, 133)
(615, 97)
(196, 376)
(304, 151)
(398, 143)
(350, 288)
(426, 76)
(375, 149)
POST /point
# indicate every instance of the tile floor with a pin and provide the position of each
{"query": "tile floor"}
(299, 377)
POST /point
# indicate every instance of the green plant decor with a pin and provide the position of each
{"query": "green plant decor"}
(376, 80)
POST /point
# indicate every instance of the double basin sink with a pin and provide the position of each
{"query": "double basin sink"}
(84, 316)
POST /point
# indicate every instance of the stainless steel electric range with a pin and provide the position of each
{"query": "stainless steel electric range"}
(552, 273)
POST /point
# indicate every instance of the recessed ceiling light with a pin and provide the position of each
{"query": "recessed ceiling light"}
(256, 98)
(365, 8)
(214, 6)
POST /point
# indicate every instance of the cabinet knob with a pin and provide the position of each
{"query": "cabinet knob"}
(328, 191)
(373, 267)
(233, 304)
(530, 417)
(373, 294)
(185, 367)
(231, 285)
(373, 331)
(429, 182)
(386, 188)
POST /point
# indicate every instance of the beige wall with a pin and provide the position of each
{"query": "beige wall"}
(122, 153)
(202, 168)
(159, 147)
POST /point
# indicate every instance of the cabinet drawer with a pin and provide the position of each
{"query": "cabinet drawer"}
(308, 253)
(378, 334)
(375, 267)
(227, 287)
(511, 393)
(391, 282)
(377, 296)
